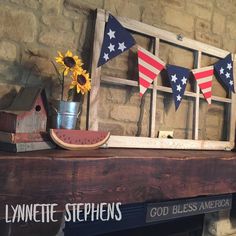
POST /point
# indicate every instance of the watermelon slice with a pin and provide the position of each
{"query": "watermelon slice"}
(78, 139)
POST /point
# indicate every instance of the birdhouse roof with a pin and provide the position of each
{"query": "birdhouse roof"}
(24, 100)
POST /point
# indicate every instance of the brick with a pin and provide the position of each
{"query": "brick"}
(218, 89)
(125, 113)
(203, 25)
(218, 26)
(104, 106)
(226, 6)
(84, 4)
(8, 51)
(182, 118)
(116, 95)
(51, 6)
(151, 14)
(173, 3)
(123, 8)
(17, 24)
(181, 57)
(212, 121)
(179, 19)
(44, 65)
(203, 3)
(28, 3)
(56, 38)
(57, 22)
(229, 44)
(211, 39)
(231, 28)
(199, 11)
(114, 128)
(131, 130)
(212, 134)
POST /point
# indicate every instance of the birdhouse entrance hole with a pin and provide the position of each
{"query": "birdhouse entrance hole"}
(38, 108)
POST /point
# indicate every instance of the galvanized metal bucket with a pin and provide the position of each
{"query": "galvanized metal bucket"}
(64, 114)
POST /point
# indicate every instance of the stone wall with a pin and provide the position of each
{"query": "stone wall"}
(31, 32)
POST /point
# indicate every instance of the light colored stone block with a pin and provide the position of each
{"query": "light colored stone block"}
(180, 19)
(55, 38)
(16, 24)
(57, 22)
(8, 51)
(218, 26)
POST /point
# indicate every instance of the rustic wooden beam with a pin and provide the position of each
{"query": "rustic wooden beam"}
(112, 175)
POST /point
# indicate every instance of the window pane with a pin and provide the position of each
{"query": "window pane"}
(119, 110)
(213, 121)
(180, 121)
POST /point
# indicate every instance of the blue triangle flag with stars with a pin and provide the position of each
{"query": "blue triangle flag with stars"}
(224, 70)
(178, 77)
(116, 40)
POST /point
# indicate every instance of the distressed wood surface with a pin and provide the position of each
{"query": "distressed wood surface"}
(110, 175)
(96, 71)
(198, 56)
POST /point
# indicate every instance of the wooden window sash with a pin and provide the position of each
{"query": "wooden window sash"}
(151, 142)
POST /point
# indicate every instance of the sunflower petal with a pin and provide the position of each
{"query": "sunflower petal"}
(69, 54)
(60, 54)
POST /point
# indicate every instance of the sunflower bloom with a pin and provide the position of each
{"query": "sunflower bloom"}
(82, 82)
(68, 62)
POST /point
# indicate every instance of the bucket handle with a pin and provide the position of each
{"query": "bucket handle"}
(67, 113)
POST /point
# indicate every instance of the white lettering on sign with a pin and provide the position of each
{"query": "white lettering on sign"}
(182, 208)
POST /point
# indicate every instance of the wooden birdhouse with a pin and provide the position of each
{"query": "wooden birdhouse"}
(23, 124)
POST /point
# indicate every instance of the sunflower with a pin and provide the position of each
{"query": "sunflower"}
(81, 80)
(68, 62)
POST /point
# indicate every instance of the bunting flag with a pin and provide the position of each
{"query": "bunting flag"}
(178, 77)
(149, 67)
(116, 40)
(204, 77)
(224, 69)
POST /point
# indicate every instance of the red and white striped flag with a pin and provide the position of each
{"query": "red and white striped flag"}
(204, 77)
(149, 67)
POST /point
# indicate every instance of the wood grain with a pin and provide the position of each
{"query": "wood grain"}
(110, 175)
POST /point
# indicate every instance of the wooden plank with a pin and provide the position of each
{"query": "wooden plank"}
(96, 71)
(167, 36)
(23, 137)
(198, 56)
(26, 147)
(140, 142)
(120, 81)
(154, 95)
(123, 175)
(232, 111)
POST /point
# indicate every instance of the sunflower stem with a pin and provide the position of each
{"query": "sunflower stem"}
(62, 85)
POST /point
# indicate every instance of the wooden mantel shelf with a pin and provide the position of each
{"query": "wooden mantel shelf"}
(111, 175)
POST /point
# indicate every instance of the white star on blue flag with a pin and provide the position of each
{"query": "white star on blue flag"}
(224, 70)
(178, 77)
(116, 40)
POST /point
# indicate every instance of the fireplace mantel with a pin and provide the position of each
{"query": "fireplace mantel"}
(113, 175)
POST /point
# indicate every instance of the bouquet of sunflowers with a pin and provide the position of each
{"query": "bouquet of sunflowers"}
(71, 66)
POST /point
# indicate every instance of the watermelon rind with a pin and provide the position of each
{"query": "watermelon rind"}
(74, 147)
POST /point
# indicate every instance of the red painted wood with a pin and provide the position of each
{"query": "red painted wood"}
(32, 121)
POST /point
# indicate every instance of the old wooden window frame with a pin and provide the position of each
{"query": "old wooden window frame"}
(151, 142)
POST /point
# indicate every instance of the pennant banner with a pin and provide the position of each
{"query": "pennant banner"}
(149, 67)
(178, 77)
(116, 40)
(224, 69)
(204, 77)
